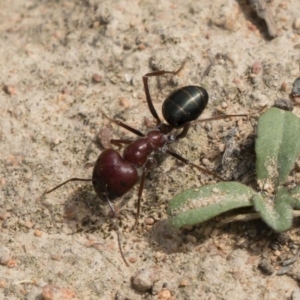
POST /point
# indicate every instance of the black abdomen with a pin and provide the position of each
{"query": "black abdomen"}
(184, 105)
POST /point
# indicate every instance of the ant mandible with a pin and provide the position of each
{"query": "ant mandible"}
(114, 174)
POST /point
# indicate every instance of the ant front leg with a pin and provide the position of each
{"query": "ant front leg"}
(147, 92)
(115, 215)
(122, 124)
(150, 164)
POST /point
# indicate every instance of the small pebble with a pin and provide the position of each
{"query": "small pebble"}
(97, 77)
(266, 267)
(221, 147)
(10, 89)
(54, 292)
(190, 238)
(284, 104)
(28, 224)
(164, 295)
(256, 67)
(149, 221)
(296, 90)
(277, 253)
(296, 23)
(224, 105)
(284, 86)
(12, 263)
(56, 257)
(124, 102)
(183, 283)
(205, 162)
(144, 279)
(4, 255)
(3, 284)
(132, 260)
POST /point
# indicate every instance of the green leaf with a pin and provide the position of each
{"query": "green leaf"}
(295, 194)
(277, 147)
(198, 205)
(278, 214)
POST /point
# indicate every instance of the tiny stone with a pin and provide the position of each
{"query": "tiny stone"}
(4, 215)
(222, 147)
(224, 105)
(124, 102)
(284, 86)
(191, 239)
(149, 221)
(164, 295)
(144, 279)
(53, 292)
(296, 23)
(9, 89)
(205, 161)
(11, 263)
(3, 284)
(266, 267)
(4, 255)
(256, 67)
(296, 87)
(56, 257)
(183, 283)
(284, 104)
(142, 47)
(28, 224)
(207, 231)
(97, 78)
(132, 260)
(277, 253)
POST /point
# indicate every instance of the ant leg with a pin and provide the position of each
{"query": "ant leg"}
(117, 228)
(127, 127)
(187, 162)
(119, 143)
(227, 116)
(65, 182)
(147, 92)
(184, 132)
(186, 127)
(141, 187)
(218, 118)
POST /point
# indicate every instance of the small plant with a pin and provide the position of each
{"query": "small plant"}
(277, 149)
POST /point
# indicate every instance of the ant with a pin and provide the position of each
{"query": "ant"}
(115, 174)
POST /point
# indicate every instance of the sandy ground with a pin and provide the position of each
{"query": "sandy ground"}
(61, 63)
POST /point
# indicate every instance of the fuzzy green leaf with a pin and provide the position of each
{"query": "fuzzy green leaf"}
(295, 194)
(198, 205)
(277, 146)
(278, 214)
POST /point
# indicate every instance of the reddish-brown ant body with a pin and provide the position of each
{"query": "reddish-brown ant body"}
(114, 174)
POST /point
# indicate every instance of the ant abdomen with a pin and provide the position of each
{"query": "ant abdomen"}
(184, 105)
